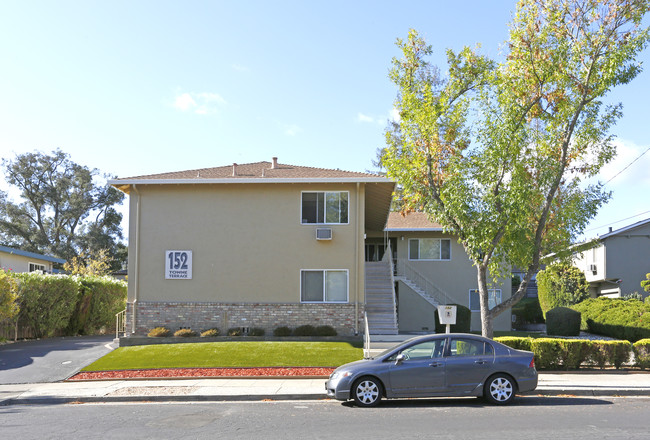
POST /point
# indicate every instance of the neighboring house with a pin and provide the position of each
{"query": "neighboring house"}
(619, 263)
(23, 261)
(432, 269)
(268, 244)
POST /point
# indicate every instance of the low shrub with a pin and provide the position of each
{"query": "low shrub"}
(563, 321)
(325, 330)
(210, 333)
(515, 342)
(615, 353)
(547, 353)
(463, 320)
(235, 331)
(528, 311)
(642, 353)
(305, 330)
(159, 332)
(282, 331)
(185, 333)
(573, 352)
(256, 331)
(616, 318)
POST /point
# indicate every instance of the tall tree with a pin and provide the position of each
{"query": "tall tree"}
(499, 153)
(62, 211)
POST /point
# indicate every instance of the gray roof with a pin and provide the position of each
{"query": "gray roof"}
(34, 255)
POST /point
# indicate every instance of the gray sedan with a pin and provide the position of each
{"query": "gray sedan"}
(437, 365)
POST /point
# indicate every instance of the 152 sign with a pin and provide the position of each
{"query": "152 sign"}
(178, 265)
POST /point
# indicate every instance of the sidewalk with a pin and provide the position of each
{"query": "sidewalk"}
(588, 383)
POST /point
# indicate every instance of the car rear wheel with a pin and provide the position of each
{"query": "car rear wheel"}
(366, 392)
(499, 389)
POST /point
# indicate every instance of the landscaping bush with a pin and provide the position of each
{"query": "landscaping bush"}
(573, 352)
(8, 296)
(100, 298)
(184, 333)
(159, 332)
(256, 331)
(615, 317)
(463, 320)
(642, 353)
(615, 353)
(517, 343)
(562, 321)
(325, 330)
(305, 330)
(561, 285)
(547, 353)
(46, 302)
(211, 333)
(235, 331)
(528, 311)
(282, 331)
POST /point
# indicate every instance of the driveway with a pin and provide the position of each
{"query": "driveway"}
(50, 360)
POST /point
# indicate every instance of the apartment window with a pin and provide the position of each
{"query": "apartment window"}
(430, 249)
(325, 207)
(34, 267)
(494, 298)
(324, 286)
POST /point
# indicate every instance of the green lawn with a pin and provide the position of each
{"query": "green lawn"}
(230, 354)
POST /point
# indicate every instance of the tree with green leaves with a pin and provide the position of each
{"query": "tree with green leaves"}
(498, 152)
(62, 210)
(646, 283)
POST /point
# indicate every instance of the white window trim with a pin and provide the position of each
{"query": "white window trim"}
(408, 250)
(44, 266)
(469, 302)
(347, 286)
(325, 214)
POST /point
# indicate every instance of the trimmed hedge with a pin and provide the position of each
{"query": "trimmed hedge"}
(563, 321)
(570, 354)
(528, 311)
(615, 317)
(642, 353)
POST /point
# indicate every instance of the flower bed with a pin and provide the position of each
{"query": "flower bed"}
(310, 372)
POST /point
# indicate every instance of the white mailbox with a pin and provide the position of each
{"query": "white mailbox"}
(447, 316)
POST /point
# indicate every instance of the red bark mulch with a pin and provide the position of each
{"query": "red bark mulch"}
(307, 372)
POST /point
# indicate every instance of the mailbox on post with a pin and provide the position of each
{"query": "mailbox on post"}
(447, 316)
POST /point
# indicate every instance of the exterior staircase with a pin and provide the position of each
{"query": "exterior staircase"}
(380, 298)
(417, 289)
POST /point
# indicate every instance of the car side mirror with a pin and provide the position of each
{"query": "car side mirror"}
(400, 358)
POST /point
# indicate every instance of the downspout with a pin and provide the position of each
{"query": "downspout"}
(356, 259)
(136, 280)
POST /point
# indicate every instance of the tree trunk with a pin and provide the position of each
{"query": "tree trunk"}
(487, 328)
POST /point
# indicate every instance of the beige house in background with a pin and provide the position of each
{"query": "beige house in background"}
(619, 263)
(18, 260)
(268, 244)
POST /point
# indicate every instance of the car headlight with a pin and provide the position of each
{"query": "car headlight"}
(340, 375)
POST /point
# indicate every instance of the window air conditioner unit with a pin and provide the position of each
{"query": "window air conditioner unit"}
(323, 234)
(593, 268)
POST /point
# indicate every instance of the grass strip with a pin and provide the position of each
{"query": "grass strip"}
(230, 355)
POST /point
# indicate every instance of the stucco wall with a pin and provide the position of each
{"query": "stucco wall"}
(628, 258)
(19, 263)
(247, 241)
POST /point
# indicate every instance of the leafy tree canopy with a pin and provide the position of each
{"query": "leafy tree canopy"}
(498, 152)
(62, 210)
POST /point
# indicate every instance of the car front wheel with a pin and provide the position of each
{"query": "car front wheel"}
(366, 392)
(499, 389)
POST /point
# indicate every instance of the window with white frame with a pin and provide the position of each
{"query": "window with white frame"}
(324, 286)
(35, 266)
(430, 249)
(494, 298)
(327, 207)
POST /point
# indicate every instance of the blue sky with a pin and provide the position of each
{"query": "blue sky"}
(140, 87)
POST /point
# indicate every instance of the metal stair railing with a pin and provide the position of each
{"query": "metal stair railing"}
(120, 323)
(407, 271)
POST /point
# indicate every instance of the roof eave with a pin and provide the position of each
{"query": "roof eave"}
(126, 182)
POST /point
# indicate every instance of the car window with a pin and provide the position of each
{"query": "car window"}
(468, 347)
(423, 350)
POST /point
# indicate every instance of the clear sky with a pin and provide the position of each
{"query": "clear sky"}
(141, 87)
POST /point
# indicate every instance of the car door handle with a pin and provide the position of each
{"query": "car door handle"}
(436, 364)
(480, 362)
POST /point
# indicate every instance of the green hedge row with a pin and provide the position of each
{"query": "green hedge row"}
(570, 354)
(68, 304)
(618, 318)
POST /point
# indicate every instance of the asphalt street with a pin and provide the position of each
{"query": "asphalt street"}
(50, 360)
(530, 418)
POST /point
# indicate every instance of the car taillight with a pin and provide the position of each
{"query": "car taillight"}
(532, 363)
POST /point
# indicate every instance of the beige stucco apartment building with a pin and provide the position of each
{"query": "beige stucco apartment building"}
(268, 244)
